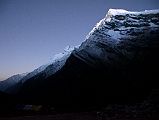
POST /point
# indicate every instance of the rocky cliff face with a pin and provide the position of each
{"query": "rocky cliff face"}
(120, 36)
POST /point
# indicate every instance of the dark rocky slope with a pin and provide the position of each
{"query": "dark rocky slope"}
(117, 63)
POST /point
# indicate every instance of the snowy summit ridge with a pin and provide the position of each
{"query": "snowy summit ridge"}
(114, 12)
(117, 28)
(48, 69)
(118, 20)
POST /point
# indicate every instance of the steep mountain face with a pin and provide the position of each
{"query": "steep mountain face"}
(121, 32)
(13, 84)
(117, 62)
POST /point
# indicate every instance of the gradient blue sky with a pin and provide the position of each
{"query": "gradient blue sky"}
(32, 31)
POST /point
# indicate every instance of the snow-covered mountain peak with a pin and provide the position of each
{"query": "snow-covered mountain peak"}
(118, 22)
(53, 66)
(48, 69)
(116, 28)
(121, 12)
(67, 51)
(114, 12)
(68, 48)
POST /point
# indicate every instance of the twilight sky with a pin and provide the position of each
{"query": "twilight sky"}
(32, 31)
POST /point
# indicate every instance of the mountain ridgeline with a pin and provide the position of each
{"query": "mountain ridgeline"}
(117, 63)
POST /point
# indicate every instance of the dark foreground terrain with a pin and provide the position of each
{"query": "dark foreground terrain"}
(146, 110)
(143, 111)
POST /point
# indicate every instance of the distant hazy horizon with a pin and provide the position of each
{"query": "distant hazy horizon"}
(33, 31)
